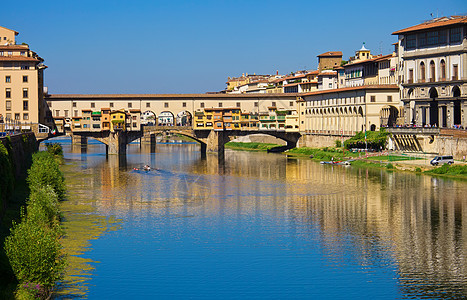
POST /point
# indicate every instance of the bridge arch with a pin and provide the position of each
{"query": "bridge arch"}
(166, 118)
(184, 118)
(148, 118)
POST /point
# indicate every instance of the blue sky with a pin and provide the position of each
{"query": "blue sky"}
(193, 46)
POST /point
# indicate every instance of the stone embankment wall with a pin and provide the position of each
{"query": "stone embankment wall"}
(319, 141)
(455, 146)
(20, 148)
(15, 159)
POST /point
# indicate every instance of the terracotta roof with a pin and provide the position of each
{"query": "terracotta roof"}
(18, 58)
(292, 84)
(354, 88)
(313, 72)
(14, 47)
(331, 54)
(135, 110)
(333, 73)
(86, 110)
(439, 22)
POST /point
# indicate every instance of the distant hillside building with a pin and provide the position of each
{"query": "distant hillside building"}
(329, 60)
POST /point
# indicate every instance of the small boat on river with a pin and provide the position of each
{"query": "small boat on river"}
(340, 162)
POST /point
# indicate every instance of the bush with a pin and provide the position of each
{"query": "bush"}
(374, 139)
(43, 206)
(55, 149)
(418, 170)
(45, 171)
(389, 166)
(35, 253)
(338, 143)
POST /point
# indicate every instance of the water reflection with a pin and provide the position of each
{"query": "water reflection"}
(376, 233)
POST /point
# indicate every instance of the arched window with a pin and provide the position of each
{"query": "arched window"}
(432, 71)
(422, 72)
(443, 70)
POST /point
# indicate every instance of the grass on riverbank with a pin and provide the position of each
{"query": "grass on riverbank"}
(449, 170)
(250, 146)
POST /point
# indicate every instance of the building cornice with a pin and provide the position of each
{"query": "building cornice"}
(434, 83)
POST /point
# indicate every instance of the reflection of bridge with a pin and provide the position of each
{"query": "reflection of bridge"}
(210, 140)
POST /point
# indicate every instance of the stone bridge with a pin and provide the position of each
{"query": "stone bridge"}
(213, 140)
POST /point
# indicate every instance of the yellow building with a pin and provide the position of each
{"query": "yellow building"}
(21, 82)
(118, 120)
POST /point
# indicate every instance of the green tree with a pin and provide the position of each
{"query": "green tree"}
(45, 171)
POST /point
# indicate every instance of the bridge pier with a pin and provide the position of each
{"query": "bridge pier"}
(216, 142)
(79, 140)
(117, 143)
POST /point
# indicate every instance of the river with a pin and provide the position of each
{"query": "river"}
(257, 226)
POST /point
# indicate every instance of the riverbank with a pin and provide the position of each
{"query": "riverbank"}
(381, 160)
(250, 146)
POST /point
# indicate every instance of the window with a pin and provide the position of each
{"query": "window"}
(74, 104)
(22, 53)
(410, 75)
(432, 38)
(442, 37)
(8, 93)
(8, 116)
(411, 41)
(7, 79)
(166, 104)
(25, 78)
(134, 125)
(25, 116)
(66, 113)
(291, 103)
(202, 104)
(455, 71)
(184, 104)
(220, 104)
(133, 118)
(24, 67)
(238, 104)
(111, 104)
(130, 105)
(57, 113)
(442, 66)
(17, 117)
(148, 104)
(421, 39)
(432, 71)
(422, 72)
(273, 103)
(93, 105)
(330, 85)
(8, 105)
(75, 113)
(25, 105)
(25, 93)
(389, 98)
(455, 35)
(256, 104)
(373, 99)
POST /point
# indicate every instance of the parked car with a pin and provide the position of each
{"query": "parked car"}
(440, 160)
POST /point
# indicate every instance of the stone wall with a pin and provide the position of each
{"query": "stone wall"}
(22, 146)
(456, 147)
(318, 141)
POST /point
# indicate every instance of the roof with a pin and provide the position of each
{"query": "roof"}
(291, 84)
(313, 73)
(14, 47)
(135, 110)
(18, 58)
(332, 73)
(331, 54)
(162, 97)
(354, 88)
(438, 22)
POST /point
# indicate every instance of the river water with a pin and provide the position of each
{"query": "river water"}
(260, 226)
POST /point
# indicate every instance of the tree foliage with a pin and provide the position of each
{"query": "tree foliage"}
(374, 140)
(45, 171)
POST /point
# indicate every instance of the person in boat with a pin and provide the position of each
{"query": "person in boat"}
(147, 168)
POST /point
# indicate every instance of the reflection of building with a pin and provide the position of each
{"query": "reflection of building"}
(434, 71)
(22, 82)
